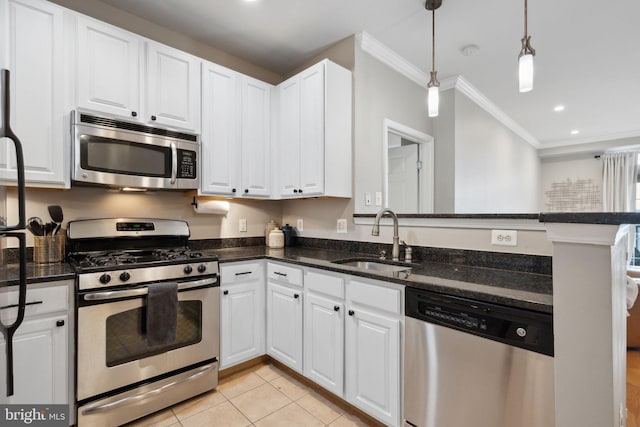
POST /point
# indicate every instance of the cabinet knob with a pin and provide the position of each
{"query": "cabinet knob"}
(134, 114)
(225, 292)
(60, 323)
(300, 190)
(246, 191)
(295, 191)
(153, 118)
(351, 312)
(233, 190)
(296, 296)
(336, 308)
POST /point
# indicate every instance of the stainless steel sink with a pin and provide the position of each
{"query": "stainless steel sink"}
(373, 264)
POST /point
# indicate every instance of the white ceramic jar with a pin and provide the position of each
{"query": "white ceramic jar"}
(276, 239)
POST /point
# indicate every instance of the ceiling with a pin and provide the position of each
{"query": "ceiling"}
(586, 50)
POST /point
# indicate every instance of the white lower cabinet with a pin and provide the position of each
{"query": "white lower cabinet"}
(324, 330)
(40, 345)
(284, 315)
(373, 349)
(242, 312)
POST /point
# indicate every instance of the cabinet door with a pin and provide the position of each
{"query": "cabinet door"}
(242, 322)
(172, 88)
(34, 54)
(256, 128)
(108, 69)
(289, 141)
(312, 91)
(373, 364)
(284, 325)
(324, 342)
(221, 130)
(40, 362)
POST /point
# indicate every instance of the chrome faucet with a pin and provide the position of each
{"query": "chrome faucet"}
(395, 252)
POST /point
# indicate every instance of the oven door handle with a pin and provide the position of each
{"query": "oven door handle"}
(182, 286)
(132, 399)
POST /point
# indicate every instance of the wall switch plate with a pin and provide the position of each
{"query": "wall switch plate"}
(367, 199)
(378, 198)
(300, 224)
(341, 226)
(504, 237)
(242, 225)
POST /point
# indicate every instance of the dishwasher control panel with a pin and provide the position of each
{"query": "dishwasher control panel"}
(513, 326)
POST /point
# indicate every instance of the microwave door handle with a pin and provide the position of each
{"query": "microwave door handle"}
(174, 163)
(6, 132)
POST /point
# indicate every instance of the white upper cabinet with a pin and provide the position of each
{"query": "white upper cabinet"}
(172, 87)
(221, 130)
(108, 68)
(315, 133)
(256, 137)
(236, 139)
(32, 49)
(125, 75)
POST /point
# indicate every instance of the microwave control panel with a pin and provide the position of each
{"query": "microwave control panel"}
(187, 164)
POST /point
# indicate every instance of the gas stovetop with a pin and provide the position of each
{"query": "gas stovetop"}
(92, 261)
(129, 251)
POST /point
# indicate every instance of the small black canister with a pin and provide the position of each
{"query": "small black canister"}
(289, 235)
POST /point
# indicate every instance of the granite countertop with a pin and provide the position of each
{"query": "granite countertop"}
(513, 288)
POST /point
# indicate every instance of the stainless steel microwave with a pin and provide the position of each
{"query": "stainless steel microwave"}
(119, 153)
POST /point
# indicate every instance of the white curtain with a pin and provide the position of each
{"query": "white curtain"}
(619, 175)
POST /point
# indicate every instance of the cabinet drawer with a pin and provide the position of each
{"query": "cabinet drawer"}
(240, 272)
(383, 297)
(285, 274)
(40, 300)
(324, 283)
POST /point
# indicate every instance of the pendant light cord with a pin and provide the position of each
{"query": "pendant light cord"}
(525, 19)
(433, 39)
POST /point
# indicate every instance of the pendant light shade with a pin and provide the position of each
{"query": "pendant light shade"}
(525, 59)
(525, 72)
(433, 95)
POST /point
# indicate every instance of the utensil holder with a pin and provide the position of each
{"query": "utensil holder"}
(49, 249)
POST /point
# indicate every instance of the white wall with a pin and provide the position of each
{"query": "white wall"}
(496, 171)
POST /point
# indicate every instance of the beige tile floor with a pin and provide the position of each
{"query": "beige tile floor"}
(262, 396)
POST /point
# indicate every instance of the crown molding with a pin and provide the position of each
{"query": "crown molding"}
(590, 139)
(387, 56)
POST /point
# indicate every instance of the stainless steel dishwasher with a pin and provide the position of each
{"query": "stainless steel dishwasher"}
(470, 363)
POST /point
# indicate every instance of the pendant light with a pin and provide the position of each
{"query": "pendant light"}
(433, 94)
(525, 59)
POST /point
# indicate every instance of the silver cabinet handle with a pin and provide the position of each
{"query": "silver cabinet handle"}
(99, 296)
(132, 399)
(174, 163)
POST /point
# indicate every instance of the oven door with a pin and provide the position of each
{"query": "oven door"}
(112, 344)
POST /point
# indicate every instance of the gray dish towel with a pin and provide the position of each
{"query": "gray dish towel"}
(162, 313)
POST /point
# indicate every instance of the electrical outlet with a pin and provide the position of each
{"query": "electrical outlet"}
(367, 199)
(378, 198)
(300, 225)
(242, 225)
(341, 226)
(504, 237)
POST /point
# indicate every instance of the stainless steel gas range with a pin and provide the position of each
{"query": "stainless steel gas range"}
(147, 318)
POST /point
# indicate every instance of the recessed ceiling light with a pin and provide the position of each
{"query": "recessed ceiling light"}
(558, 108)
(575, 132)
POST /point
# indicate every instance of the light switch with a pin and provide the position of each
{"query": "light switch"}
(242, 225)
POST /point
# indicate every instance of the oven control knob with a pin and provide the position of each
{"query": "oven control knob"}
(202, 268)
(125, 276)
(105, 278)
(188, 269)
